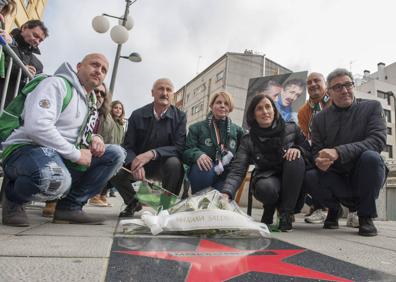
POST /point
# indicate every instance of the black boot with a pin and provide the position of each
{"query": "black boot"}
(285, 222)
(268, 215)
(366, 227)
(331, 221)
(130, 209)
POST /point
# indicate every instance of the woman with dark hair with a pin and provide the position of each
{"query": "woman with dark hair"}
(275, 148)
(211, 144)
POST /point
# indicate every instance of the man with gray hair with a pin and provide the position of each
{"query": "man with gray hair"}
(347, 139)
(154, 142)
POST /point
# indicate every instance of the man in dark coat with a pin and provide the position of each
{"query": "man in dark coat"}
(154, 142)
(347, 139)
(25, 44)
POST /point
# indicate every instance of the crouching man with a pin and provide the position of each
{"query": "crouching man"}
(347, 139)
(55, 154)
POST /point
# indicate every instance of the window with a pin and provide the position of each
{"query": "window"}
(384, 95)
(389, 130)
(388, 115)
(26, 3)
(197, 108)
(219, 76)
(199, 89)
(389, 150)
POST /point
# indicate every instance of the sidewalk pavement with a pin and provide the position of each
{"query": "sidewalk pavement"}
(59, 252)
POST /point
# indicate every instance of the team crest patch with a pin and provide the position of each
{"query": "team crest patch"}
(208, 142)
(232, 144)
(45, 103)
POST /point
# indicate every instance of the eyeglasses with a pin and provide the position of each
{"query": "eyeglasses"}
(101, 92)
(339, 87)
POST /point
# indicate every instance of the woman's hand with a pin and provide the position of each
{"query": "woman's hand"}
(204, 162)
(292, 154)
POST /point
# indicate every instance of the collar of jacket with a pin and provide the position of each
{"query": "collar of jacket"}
(21, 43)
(338, 109)
(149, 112)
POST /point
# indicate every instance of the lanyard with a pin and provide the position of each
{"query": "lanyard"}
(217, 133)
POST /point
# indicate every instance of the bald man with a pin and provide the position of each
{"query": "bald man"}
(154, 143)
(55, 150)
(317, 101)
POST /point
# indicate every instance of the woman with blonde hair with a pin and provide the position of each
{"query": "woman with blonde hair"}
(211, 145)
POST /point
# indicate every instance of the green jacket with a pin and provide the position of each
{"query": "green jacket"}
(111, 131)
(201, 138)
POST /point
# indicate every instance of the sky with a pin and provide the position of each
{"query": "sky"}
(178, 38)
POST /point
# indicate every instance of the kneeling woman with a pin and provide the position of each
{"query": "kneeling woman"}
(211, 144)
(274, 147)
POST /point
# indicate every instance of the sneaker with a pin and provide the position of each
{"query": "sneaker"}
(331, 221)
(285, 222)
(366, 227)
(130, 209)
(13, 214)
(49, 209)
(103, 198)
(317, 217)
(96, 201)
(76, 217)
(352, 220)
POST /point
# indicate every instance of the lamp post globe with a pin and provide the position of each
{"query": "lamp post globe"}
(129, 23)
(119, 34)
(100, 24)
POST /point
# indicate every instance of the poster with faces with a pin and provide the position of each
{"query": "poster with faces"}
(288, 91)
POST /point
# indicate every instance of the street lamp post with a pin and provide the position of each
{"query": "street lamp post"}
(119, 34)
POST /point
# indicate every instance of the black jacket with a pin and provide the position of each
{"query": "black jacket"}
(350, 131)
(27, 55)
(167, 135)
(247, 154)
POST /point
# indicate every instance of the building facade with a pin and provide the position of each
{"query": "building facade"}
(231, 72)
(26, 10)
(381, 86)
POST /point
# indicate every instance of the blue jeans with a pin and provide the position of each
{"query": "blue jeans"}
(39, 173)
(201, 179)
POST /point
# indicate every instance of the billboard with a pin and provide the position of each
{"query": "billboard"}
(287, 90)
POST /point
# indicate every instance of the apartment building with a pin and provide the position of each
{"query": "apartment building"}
(231, 72)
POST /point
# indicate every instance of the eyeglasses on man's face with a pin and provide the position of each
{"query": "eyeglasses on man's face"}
(338, 87)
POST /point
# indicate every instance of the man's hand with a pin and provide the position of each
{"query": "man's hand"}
(139, 174)
(85, 158)
(31, 69)
(323, 163)
(141, 160)
(204, 162)
(292, 154)
(97, 146)
(330, 154)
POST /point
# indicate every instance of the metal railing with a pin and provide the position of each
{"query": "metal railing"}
(13, 57)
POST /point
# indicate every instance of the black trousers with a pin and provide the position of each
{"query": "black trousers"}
(357, 190)
(281, 190)
(167, 170)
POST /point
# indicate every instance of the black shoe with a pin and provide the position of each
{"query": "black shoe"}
(130, 209)
(331, 221)
(268, 215)
(366, 227)
(285, 222)
(76, 217)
